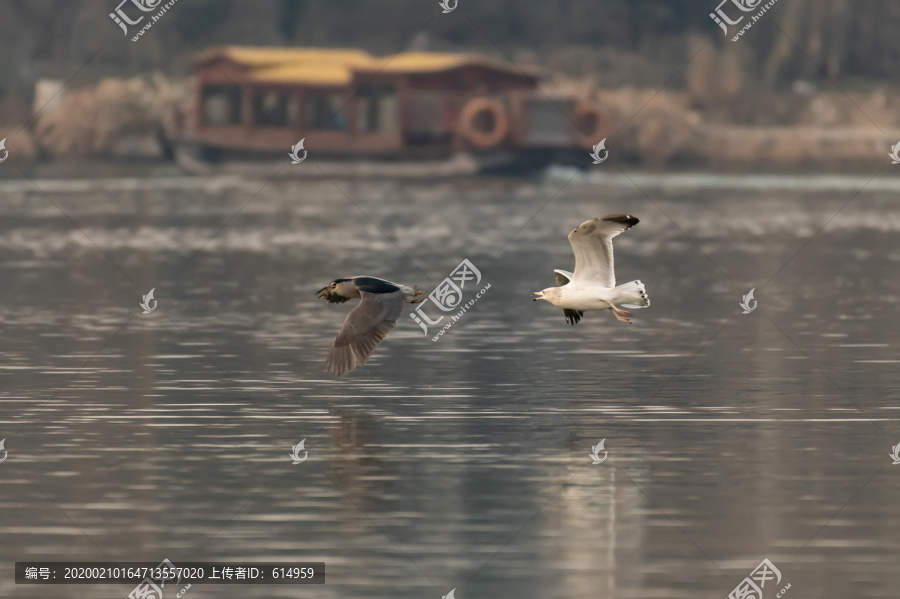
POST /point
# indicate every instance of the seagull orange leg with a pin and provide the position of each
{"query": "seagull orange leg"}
(621, 315)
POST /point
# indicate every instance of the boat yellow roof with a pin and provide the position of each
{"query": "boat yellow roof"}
(434, 62)
(325, 66)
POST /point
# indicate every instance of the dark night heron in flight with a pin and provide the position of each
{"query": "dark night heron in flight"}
(593, 286)
(381, 302)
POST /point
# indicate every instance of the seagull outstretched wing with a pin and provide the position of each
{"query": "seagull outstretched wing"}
(562, 277)
(592, 244)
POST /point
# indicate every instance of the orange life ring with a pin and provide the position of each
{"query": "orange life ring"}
(483, 122)
(590, 124)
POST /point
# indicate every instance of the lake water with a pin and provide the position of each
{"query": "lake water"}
(461, 463)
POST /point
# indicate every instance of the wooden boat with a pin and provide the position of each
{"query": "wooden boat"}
(411, 114)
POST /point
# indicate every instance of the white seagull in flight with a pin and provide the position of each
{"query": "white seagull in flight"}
(593, 286)
(369, 323)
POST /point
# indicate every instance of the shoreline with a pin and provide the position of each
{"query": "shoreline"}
(728, 150)
(640, 177)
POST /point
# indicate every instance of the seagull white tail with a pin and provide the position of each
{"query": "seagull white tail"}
(631, 295)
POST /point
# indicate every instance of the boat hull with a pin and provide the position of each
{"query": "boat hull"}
(196, 158)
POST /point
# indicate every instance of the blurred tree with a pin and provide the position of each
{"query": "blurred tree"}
(47, 22)
(289, 17)
(821, 38)
(198, 18)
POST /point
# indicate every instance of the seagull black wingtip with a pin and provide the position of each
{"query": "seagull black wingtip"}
(625, 219)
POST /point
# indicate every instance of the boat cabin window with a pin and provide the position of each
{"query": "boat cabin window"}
(377, 109)
(273, 109)
(222, 105)
(325, 112)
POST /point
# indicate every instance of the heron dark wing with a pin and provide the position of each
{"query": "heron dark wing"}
(375, 285)
(365, 327)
